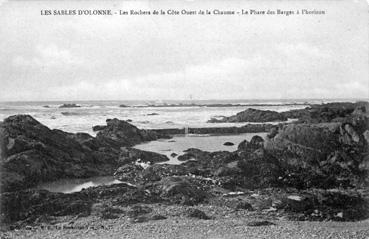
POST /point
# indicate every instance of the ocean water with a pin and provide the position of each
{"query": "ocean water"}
(142, 113)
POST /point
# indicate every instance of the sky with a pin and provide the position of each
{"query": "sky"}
(175, 57)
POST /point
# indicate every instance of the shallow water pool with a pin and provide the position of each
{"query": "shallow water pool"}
(207, 143)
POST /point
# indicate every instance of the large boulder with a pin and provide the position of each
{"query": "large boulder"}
(323, 155)
(252, 115)
(306, 140)
(251, 171)
(120, 133)
(31, 152)
(181, 190)
(255, 143)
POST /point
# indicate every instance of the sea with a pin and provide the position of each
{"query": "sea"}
(143, 114)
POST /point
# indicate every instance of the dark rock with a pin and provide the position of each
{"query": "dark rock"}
(124, 195)
(31, 153)
(181, 190)
(328, 205)
(255, 143)
(120, 133)
(330, 112)
(196, 213)
(31, 204)
(205, 163)
(228, 144)
(129, 155)
(254, 171)
(138, 210)
(98, 127)
(244, 146)
(105, 211)
(145, 218)
(158, 217)
(130, 173)
(152, 114)
(227, 171)
(185, 157)
(138, 219)
(69, 106)
(173, 155)
(273, 132)
(320, 155)
(193, 154)
(70, 113)
(157, 172)
(244, 206)
(252, 115)
(259, 223)
(314, 138)
(123, 106)
(299, 203)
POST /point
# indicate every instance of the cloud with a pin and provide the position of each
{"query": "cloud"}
(47, 57)
(171, 57)
(2, 2)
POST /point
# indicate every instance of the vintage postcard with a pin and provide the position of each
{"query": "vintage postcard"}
(184, 119)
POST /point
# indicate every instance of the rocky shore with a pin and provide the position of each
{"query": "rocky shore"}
(314, 169)
(252, 115)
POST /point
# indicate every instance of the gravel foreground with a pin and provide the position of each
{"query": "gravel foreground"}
(224, 223)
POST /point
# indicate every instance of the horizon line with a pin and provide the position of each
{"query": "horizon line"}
(188, 100)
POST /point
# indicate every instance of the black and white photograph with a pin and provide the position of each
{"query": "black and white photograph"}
(184, 119)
